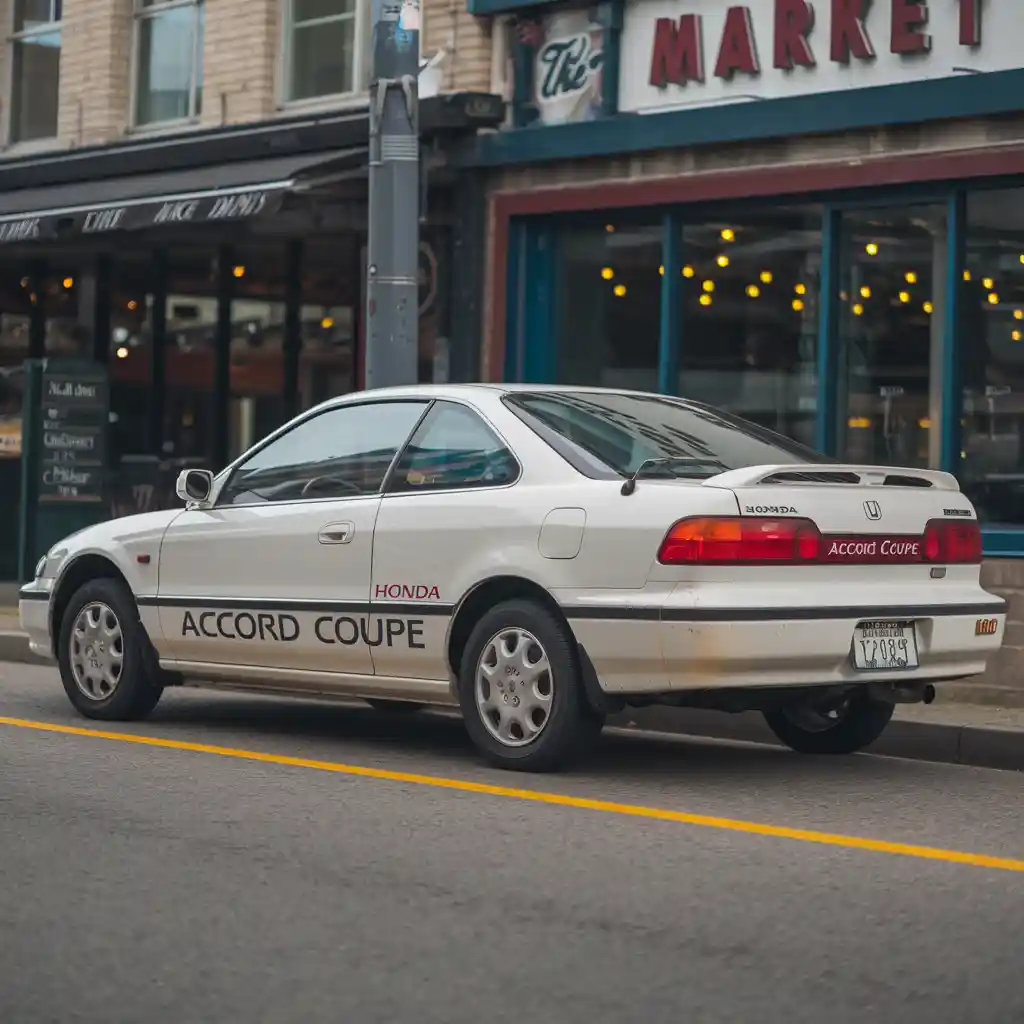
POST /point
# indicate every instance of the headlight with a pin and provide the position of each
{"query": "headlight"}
(40, 567)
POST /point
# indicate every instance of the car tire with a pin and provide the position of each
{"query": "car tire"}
(857, 725)
(394, 707)
(107, 664)
(553, 724)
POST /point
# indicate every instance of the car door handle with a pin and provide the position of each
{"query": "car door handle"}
(336, 533)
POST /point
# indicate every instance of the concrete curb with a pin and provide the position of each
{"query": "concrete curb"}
(978, 746)
(14, 647)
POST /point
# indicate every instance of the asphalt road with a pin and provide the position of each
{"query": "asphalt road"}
(147, 883)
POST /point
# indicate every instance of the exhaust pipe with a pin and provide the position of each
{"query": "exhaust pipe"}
(902, 693)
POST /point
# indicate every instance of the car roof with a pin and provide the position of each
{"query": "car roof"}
(465, 390)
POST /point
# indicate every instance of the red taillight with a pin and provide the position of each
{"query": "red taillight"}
(736, 540)
(952, 542)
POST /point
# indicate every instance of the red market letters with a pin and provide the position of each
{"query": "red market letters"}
(677, 54)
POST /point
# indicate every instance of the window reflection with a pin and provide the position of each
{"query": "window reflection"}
(892, 314)
(749, 327)
(992, 352)
(609, 295)
(191, 334)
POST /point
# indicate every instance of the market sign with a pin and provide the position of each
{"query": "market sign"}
(698, 53)
(139, 214)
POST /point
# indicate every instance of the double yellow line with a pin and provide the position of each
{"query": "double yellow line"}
(977, 860)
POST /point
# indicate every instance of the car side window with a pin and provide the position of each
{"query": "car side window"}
(341, 453)
(453, 448)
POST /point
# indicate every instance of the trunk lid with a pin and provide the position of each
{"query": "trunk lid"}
(849, 501)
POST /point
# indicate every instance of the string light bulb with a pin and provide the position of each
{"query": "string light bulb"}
(723, 260)
(911, 277)
(607, 273)
(620, 290)
(904, 297)
(858, 309)
(753, 291)
(798, 304)
(766, 277)
(967, 275)
(993, 299)
(928, 308)
(987, 282)
(871, 248)
(865, 292)
(708, 286)
(728, 235)
(705, 300)
(688, 271)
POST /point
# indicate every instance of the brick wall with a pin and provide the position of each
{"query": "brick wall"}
(241, 61)
(243, 40)
(95, 79)
(448, 26)
(1003, 683)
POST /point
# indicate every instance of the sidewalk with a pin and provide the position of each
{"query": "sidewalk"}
(952, 730)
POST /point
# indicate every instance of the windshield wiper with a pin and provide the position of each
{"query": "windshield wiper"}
(629, 486)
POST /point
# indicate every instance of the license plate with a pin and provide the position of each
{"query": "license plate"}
(884, 646)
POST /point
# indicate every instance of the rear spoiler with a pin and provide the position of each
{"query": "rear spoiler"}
(834, 475)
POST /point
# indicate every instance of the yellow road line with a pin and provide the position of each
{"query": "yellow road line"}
(557, 799)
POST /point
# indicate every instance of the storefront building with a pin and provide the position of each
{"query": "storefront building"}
(811, 214)
(188, 207)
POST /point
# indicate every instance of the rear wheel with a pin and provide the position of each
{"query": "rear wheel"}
(521, 689)
(831, 724)
(107, 665)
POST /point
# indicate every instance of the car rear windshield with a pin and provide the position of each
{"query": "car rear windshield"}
(608, 434)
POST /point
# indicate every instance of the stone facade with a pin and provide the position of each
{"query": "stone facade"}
(242, 64)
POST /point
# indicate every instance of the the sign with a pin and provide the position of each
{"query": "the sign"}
(568, 47)
(74, 412)
(698, 53)
(135, 216)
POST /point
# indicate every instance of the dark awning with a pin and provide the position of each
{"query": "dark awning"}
(207, 195)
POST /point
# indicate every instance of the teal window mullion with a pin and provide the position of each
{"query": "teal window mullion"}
(952, 396)
(670, 327)
(827, 412)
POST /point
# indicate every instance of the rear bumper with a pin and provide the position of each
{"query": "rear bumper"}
(34, 615)
(659, 650)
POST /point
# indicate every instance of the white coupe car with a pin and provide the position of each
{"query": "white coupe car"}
(539, 557)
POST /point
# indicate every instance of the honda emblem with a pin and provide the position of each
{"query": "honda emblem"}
(872, 510)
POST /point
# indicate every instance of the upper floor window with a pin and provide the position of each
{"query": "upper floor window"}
(35, 59)
(168, 60)
(326, 49)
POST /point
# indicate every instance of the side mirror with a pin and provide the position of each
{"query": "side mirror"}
(194, 485)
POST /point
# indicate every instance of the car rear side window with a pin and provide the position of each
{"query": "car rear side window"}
(453, 448)
(344, 452)
(622, 431)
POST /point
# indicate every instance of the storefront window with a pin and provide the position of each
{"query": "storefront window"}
(892, 315)
(609, 294)
(189, 365)
(68, 295)
(131, 352)
(332, 272)
(169, 60)
(748, 334)
(35, 56)
(257, 345)
(992, 357)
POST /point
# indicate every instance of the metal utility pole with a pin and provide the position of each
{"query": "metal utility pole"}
(392, 279)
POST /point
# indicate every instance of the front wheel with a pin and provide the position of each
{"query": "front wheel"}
(831, 725)
(521, 689)
(108, 668)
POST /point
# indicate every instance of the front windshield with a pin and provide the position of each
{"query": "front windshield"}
(623, 431)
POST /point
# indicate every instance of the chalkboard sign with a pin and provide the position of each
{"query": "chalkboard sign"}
(74, 411)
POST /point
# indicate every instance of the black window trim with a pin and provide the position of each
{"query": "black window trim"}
(313, 414)
(386, 486)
